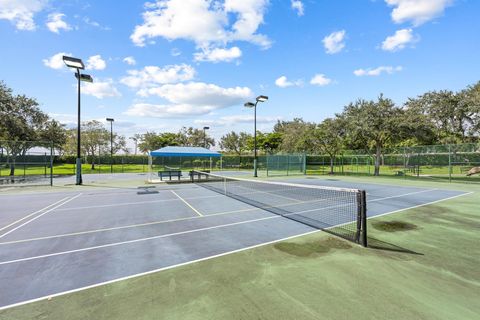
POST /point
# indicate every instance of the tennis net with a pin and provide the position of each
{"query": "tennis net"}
(339, 211)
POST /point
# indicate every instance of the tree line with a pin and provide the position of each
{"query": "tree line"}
(435, 117)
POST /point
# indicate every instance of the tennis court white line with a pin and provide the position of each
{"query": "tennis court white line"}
(422, 205)
(31, 214)
(40, 215)
(194, 261)
(136, 203)
(251, 208)
(401, 195)
(114, 244)
(196, 217)
(188, 204)
(152, 271)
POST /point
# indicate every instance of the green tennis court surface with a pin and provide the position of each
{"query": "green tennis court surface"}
(186, 252)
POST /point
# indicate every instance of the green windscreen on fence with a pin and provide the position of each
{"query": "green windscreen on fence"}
(285, 164)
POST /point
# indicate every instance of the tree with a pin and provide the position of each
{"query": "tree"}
(54, 134)
(153, 141)
(95, 139)
(21, 121)
(329, 138)
(233, 142)
(471, 96)
(193, 137)
(119, 143)
(373, 124)
(136, 137)
(295, 135)
(449, 113)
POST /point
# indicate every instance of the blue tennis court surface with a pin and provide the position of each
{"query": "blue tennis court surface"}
(52, 243)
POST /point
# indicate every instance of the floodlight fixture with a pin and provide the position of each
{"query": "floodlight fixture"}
(262, 98)
(84, 77)
(249, 105)
(73, 62)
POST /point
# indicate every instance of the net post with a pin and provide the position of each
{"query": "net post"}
(362, 218)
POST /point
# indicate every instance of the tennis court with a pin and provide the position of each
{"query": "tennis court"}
(59, 242)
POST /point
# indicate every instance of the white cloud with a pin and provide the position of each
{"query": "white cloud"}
(175, 52)
(199, 93)
(283, 82)
(96, 63)
(55, 23)
(377, 71)
(218, 54)
(152, 75)
(95, 24)
(417, 11)
(320, 80)
(166, 111)
(334, 42)
(185, 100)
(100, 89)
(204, 22)
(399, 40)
(235, 119)
(130, 61)
(56, 61)
(21, 12)
(297, 5)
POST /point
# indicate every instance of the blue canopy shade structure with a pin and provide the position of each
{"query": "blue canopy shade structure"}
(185, 152)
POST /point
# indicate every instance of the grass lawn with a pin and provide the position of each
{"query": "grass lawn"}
(425, 266)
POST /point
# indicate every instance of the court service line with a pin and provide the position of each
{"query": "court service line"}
(136, 203)
(401, 195)
(251, 208)
(114, 244)
(188, 204)
(153, 271)
(421, 205)
(42, 214)
(31, 214)
(196, 217)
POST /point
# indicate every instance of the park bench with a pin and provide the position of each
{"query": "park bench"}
(170, 174)
(199, 174)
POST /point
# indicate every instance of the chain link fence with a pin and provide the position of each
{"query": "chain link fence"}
(440, 162)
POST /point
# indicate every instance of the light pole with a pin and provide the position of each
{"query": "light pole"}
(254, 106)
(78, 64)
(205, 137)
(111, 143)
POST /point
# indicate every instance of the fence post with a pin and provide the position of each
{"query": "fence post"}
(51, 165)
(288, 164)
(449, 163)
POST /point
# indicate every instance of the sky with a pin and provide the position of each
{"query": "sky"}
(159, 66)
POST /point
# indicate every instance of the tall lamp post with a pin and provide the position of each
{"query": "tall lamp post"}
(205, 137)
(77, 64)
(111, 143)
(254, 106)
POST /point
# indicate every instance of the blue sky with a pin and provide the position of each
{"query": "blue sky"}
(158, 66)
